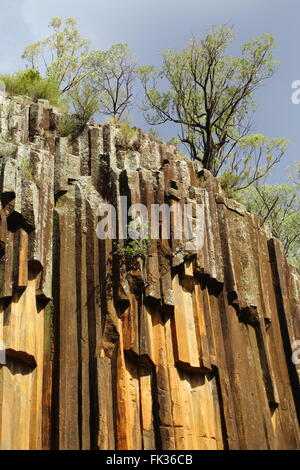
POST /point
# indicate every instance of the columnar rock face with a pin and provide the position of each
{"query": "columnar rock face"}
(185, 349)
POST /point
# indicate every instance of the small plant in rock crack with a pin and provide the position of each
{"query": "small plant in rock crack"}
(26, 169)
(135, 248)
(28, 173)
(127, 134)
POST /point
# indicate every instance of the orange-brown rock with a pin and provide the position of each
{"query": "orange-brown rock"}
(191, 349)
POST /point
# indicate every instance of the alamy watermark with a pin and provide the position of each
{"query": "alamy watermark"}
(183, 222)
(295, 97)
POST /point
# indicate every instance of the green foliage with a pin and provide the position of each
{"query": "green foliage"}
(209, 95)
(152, 132)
(134, 249)
(84, 102)
(294, 174)
(69, 126)
(31, 84)
(251, 161)
(7, 147)
(279, 207)
(137, 248)
(175, 141)
(111, 74)
(26, 169)
(127, 132)
(85, 105)
(60, 56)
(228, 182)
(45, 89)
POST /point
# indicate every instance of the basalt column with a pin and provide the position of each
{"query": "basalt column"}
(187, 347)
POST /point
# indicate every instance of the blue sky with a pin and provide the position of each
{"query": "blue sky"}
(151, 26)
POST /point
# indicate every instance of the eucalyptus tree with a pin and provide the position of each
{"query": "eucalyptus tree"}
(208, 93)
(60, 56)
(279, 206)
(111, 75)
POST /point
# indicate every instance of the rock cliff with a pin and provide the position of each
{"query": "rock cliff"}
(191, 349)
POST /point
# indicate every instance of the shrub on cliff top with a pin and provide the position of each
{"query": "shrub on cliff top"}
(31, 84)
(69, 126)
(85, 104)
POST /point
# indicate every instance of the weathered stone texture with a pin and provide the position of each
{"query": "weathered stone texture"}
(191, 349)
